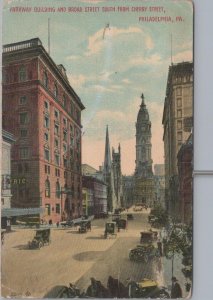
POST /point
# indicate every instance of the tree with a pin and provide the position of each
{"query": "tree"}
(180, 242)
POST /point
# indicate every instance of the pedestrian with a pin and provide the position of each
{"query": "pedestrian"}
(176, 291)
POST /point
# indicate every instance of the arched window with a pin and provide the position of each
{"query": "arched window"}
(22, 73)
(55, 92)
(47, 188)
(57, 190)
(45, 79)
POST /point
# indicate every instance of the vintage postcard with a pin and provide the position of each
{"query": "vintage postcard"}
(97, 148)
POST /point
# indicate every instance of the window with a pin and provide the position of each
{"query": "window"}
(71, 141)
(57, 190)
(46, 137)
(47, 188)
(23, 132)
(65, 136)
(56, 143)
(57, 208)
(57, 160)
(64, 101)
(23, 117)
(55, 91)
(179, 113)
(47, 169)
(179, 102)
(46, 122)
(47, 154)
(71, 130)
(57, 172)
(64, 147)
(22, 73)
(65, 162)
(23, 100)
(179, 91)
(46, 105)
(179, 124)
(56, 114)
(45, 79)
(65, 122)
(24, 153)
(179, 136)
(56, 129)
(48, 209)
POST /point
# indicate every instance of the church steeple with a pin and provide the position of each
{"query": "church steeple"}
(107, 155)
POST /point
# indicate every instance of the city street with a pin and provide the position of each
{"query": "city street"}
(71, 257)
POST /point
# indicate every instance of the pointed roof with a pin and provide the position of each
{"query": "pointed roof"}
(107, 155)
(143, 114)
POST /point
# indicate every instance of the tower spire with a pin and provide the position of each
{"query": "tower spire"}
(107, 156)
(143, 102)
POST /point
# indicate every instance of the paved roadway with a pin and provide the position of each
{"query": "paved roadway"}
(72, 257)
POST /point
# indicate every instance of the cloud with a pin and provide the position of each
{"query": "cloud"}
(183, 56)
(126, 81)
(154, 59)
(77, 81)
(97, 41)
(73, 57)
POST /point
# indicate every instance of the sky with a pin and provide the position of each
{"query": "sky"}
(109, 67)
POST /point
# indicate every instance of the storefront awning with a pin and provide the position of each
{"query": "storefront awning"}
(15, 212)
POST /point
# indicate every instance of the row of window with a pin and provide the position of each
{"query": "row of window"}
(21, 76)
(75, 192)
(48, 209)
(72, 110)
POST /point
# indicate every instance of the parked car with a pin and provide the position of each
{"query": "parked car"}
(68, 223)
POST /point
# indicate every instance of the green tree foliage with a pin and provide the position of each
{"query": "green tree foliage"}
(161, 216)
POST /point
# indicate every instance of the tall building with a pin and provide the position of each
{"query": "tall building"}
(144, 182)
(109, 176)
(185, 169)
(128, 190)
(177, 122)
(159, 179)
(116, 167)
(43, 112)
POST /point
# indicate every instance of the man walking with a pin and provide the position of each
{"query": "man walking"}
(176, 291)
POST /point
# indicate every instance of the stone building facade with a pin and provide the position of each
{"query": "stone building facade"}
(185, 169)
(159, 178)
(144, 180)
(43, 112)
(177, 122)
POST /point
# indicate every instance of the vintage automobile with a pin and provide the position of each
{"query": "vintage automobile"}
(147, 288)
(84, 226)
(148, 236)
(67, 223)
(122, 224)
(41, 238)
(110, 229)
(130, 217)
(138, 208)
(144, 253)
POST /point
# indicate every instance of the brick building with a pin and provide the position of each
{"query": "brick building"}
(43, 112)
